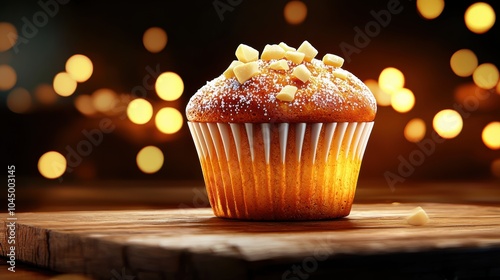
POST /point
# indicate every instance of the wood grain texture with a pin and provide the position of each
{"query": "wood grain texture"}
(193, 244)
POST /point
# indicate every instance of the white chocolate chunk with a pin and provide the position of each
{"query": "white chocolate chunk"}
(418, 217)
(307, 49)
(302, 73)
(279, 65)
(246, 53)
(286, 47)
(295, 57)
(246, 71)
(272, 52)
(333, 60)
(339, 73)
(229, 73)
(287, 93)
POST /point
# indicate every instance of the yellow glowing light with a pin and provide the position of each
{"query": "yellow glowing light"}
(430, 9)
(382, 97)
(45, 94)
(479, 17)
(169, 120)
(150, 159)
(8, 36)
(83, 104)
(486, 76)
(154, 39)
(498, 87)
(52, 165)
(447, 123)
(63, 84)
(104, 100)
(415, 130)
(139, 111)
(403, 100)
(295, 12)
(79, 67)
(491, 135)
(463, 62)
(169, 86)
(495, 167)
(391, 80)
(19, 100)
(8, 77)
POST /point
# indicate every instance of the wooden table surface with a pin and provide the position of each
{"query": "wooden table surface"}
(461, 241)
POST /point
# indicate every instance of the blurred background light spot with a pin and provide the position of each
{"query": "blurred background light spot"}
(169, 120)
(150, 159)
(415, 130)
(45, 94)
(8, 77)
(491, 135)
(19, 100)
(104, 100)
(79, 67)
(447, 123)
(430, 9)
(139, 111)
(295, 12)
(463, 62)
(154, 39)
(382, 97)
(474, 97)
(403, 100)
(64, 84)
(52, 165)
(495, 167)
(391, 80)
(8, 36)
(169, 86)
(84, 105)
(479, 17)
(486, 76)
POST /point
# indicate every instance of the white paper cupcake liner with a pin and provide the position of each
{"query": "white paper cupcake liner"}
(274, 170)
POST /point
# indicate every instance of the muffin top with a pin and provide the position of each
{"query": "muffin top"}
(284, 85)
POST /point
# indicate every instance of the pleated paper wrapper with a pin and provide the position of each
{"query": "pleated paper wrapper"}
(281, 171)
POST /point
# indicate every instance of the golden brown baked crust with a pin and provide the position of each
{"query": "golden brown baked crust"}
(323, 98)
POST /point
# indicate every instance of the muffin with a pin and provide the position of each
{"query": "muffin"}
(281, 136)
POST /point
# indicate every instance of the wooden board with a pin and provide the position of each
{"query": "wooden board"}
(193, 244)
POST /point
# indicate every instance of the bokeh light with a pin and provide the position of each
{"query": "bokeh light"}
(19, 100)
(415, 130)
(495, 167)
(403, 100)
(463, 62)
(139, 111)
(391, 80)
(150, 159)
(52, 165)
(447, 123)
(295, 12)
(491, 135)
(79, 67)
(104, 100)
(8, 36)
(169, 120)
(382, 97)
(486, 76)
(64, 84)
(84, 105)
(45, 94)
(8, 77)
(430, 9)
(154, 39)
(479, 17)
(169, 86)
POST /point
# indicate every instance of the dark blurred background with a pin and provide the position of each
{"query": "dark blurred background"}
(202, 37)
